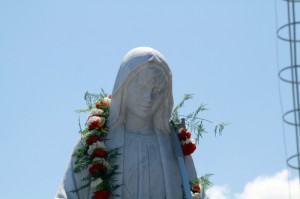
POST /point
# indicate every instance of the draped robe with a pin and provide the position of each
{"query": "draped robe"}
(171, 183)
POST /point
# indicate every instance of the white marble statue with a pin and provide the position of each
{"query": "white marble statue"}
(140, 109)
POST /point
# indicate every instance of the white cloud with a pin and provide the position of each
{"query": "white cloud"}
(218, 192)
(263, 187)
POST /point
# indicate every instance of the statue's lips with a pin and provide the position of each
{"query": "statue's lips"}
(145, 107)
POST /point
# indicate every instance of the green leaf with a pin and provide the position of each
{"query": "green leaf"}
(220, 127)
(194, 123)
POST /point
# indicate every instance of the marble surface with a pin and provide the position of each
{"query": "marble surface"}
(140, 109)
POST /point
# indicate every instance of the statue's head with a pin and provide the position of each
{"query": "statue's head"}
(144, 87)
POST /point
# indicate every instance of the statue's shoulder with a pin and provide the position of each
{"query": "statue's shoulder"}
(115, 137)
(79, 144)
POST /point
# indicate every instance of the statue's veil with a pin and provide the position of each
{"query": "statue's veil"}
(132, 62)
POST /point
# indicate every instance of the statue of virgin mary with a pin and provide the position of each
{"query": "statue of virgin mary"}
(140, 111)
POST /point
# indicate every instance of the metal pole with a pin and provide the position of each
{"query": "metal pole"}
(181, 164)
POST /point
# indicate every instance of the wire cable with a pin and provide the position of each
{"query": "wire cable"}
(293, 66)
(295, 93)
(281, 103)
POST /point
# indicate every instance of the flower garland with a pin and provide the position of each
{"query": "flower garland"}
(188, 146)
(93, 156)
(187, 143)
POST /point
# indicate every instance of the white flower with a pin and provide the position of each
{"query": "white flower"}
(106, 164)
(187, 141)
(180, 130)
(96, 111)
(107, 99)
(96, 182)
(96, 145)
(92, 119)
(102, 161)
(196, 195)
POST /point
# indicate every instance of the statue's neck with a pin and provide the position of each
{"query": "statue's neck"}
(139, 125)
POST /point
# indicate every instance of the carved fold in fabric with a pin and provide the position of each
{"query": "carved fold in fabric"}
(143, 168)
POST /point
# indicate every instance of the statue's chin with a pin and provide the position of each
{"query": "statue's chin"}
(146, 115)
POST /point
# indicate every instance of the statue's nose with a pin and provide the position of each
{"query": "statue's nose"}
(147, 96)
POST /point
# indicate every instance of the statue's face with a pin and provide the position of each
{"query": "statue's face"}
(145, 92)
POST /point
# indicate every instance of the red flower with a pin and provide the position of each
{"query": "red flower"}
(98, 104)
(94, 168)
(196, 188)
(95, 124)
(102, 105)
(103, 167)
(188, 149)
(106, 104)
(99, 153)
(103, 194)
(92, 139)
(97, 169)
(184, 135)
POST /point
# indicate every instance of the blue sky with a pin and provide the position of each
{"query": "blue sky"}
(224, 52)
